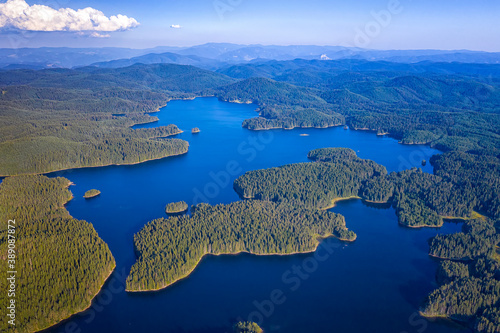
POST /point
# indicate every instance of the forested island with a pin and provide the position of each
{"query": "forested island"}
(247, 327)
(61, 262)
(169, 249)
(176, 207)
(91, 193)
(195, 130)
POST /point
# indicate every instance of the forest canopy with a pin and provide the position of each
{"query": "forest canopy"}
(61, 262)
(61, 119)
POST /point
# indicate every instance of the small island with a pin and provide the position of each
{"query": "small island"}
(176, 207)
(195, 130)
(247, 327)
(91, 194)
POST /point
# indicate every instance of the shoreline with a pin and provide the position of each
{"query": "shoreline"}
(289, 128)
(70, 183)
(334, 201)
(186, 275)
(421, 226)
(93, 166)
(377, 202)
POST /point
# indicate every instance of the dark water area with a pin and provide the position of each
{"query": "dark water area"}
(375, 284)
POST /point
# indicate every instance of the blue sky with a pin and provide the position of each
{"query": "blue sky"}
(402, 24)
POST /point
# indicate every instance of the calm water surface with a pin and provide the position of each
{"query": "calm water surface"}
(375, 284)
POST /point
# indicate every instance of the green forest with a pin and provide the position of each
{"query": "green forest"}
(462, 185)
(469, 282)
(169, 249)
(91, 193)
(176, 207)
(449, 112)
(310, 185)
(62, 119)
(58, 119)
(61, 262)
(247, 327)
(419, 199)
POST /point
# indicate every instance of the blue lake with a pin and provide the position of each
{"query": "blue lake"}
(375, 284)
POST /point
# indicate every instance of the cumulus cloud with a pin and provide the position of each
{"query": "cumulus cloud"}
(18, 14)
(175, 26)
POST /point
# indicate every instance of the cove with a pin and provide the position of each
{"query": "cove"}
(375, 284)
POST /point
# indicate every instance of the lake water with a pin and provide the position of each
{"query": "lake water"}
(375, 284)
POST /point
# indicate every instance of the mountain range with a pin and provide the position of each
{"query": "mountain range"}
(218, 55)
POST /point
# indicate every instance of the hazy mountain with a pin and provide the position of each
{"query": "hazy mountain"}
(211, 50)
(63, 57)
(221, 53)
(163, 58)
(299, 70)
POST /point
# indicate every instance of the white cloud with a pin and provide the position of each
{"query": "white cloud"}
(175, 26)
(98, 35)
(19, 15)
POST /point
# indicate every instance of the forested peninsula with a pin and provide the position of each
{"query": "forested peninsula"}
(169, 249)
(61, 262)
(310, 185)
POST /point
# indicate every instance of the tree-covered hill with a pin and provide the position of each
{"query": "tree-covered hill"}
(450, 106)
(469, 280)
(61, 262)
(282, 105)
(268, 92)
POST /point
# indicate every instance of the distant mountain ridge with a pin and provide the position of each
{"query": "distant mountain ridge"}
(163, 58)
(218, 55)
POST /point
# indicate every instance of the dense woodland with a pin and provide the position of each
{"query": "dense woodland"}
(61, 118)
(421, 103)
(476, 173)
(176, 207)
(420, 199)
(452, 107)
(91, 193)
(169, 249)
(61, 262)
(469, 285)
(469, 290)
(310, 185)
